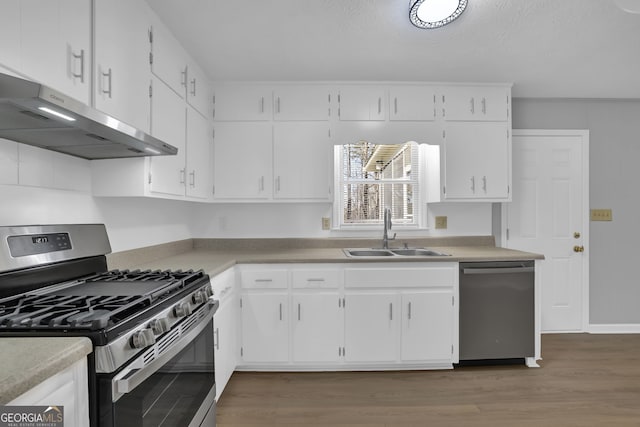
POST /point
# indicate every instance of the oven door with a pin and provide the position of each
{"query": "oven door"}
(171, 384)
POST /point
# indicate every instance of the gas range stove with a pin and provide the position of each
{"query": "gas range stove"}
(54, 281)
(109, 307)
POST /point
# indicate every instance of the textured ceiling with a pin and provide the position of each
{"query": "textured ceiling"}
(547, 48)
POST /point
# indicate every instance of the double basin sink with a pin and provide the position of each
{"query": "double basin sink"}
(405, 252)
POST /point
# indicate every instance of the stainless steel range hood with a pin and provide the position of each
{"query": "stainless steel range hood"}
(38, 115)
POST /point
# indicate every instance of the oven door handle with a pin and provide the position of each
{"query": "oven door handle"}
(137, 372)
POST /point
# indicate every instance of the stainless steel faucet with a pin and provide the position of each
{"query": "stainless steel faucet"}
(387, 226)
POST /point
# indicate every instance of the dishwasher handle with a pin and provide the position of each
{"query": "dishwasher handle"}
(498, 270)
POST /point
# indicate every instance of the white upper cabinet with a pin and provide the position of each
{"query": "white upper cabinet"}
(121, 71)
(199, 160)
(199, 90)
(167, 58)
(242, 160)
(302, 154)
(301, 102)
(168, 123)
(240, 102)
(362, 103)
(171, 63)
(476, 103)
(477, 162)
(412, 103)
(49, 42)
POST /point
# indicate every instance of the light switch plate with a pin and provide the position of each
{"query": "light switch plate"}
(441, 222)
(601, 215)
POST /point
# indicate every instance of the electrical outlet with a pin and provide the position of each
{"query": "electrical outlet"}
(601, 215)
(441, 222)
(326, 223)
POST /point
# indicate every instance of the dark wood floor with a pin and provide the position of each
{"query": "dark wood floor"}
(584, 380)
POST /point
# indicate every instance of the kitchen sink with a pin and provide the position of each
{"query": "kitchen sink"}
(417, 252)
(406, 252)
(368, 252)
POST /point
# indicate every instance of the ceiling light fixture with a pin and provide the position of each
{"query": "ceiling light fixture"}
(435, 13)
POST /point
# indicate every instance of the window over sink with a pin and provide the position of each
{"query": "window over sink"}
(371, 177)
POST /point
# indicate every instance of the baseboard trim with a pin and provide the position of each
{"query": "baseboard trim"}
(615, 328)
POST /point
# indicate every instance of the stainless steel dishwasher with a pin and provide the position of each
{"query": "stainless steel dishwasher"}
(496, 310)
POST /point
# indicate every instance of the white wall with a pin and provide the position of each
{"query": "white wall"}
(131, 223)
(305, 220)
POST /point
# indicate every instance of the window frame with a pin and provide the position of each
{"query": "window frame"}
(418, 194)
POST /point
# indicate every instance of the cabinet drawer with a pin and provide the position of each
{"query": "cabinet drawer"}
(316, 278)
(264, 279)
(384, 277)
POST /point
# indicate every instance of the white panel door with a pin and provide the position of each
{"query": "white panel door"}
(548, 215)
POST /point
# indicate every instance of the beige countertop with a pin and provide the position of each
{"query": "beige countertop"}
(214, 256)
(26, 362)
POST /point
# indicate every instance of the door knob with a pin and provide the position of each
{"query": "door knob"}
(578, 249)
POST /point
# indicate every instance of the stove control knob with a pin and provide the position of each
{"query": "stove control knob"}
(199, 297)
(182, 309)
(159, 326)
(143, 338)
(208, 291)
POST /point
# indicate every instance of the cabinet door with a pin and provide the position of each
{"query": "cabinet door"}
(476, 161)
(199, 136)
(168, 59)
(427, 325)
(8, 162)
(371, 327)
(67, 389)
(318, 325)
(265, 327)
(470, 103)
(302, 154)
(121, 72)
(412, 103)
(242, 102)
(10, 34)
(242, 160)
(199, 91)
(226, 345)
(168, 118)
(301, 103)
(362, 103)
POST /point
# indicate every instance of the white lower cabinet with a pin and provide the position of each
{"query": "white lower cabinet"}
(371, 329)
(349, 316)
(317, 326)
(225, 345)
(225, 324)
(68, 388)
(265, 327)
(427, 325)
